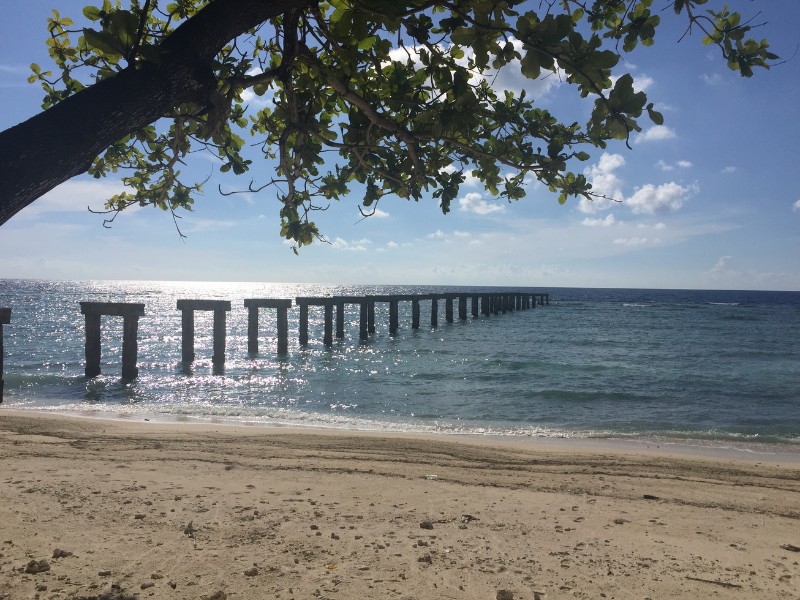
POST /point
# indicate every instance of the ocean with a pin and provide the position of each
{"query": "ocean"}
(710, 367)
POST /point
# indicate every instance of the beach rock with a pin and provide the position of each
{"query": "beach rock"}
(504, 595)
(104, 573)
(251, 572)
(426, 525)
(59, 553)
(172, 584)
(220, 595)
(146, 584)
(425, 558)
(37, 566)
(139, 516)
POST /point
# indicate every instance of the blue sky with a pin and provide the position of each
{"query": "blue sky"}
(711, 199)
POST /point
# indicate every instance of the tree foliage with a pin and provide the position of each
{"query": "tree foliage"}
(392, 97)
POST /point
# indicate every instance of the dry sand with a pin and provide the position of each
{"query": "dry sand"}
(104, 509)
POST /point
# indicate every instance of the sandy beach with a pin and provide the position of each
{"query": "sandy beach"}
(118, 510)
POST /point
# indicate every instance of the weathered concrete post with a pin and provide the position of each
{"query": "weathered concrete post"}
(303, 333)
(340, 319)
(415, 313)
(92, 350)
(448, 309)
(187, 336)
(218, 357)
(363, 330)
(283, 327)
(328, 337)
(219, 307)
(474, 306)
(393, 316)
(130, 312)
(462, 307)
(371, 315)
(5, 319)
(485, 308)
(434, 311)
(547, 299)
(282, 308)
(252, 326)
(130, 346)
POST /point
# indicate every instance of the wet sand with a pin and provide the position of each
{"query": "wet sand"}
(108, 509)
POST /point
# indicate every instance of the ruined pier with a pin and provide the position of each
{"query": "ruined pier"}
(474, 303)
(130, 312)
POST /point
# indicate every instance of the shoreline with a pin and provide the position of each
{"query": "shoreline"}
(749, 450)
(100, 509)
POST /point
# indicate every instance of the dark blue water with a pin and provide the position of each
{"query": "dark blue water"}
(711, 365)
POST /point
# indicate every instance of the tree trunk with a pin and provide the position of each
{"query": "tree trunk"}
(62, 142)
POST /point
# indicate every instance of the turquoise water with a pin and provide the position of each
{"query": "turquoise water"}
(652, 364)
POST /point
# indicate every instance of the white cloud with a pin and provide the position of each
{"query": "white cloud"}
(469, 179)
(657, 226)
(722, 264)
(657, 133)
(75, 196)
(729, 169)
(680, 164)
(650, 199)
(462, 234)
(509, 78)
(796, 206)
(376, 213)
(607, 222)
(437, 235)
(15, 69)
(392, 244)
(193, 225)
(634, 241)
(250, 98)
(474, 202)
(713, 79)
(641, 83)
(604, 182)
(354, 246)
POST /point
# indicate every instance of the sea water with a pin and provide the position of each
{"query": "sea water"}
(711, 366)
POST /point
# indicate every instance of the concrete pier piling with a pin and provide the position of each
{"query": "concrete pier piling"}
(187, 308)
(281, 307)
(5, 319)
(130, 312)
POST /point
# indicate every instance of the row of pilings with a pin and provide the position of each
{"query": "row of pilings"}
(474, 303)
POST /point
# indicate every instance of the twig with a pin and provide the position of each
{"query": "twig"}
(715, 582)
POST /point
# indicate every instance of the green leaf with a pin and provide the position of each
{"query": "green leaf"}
(92, 13)
(103, 41)
(655, 117)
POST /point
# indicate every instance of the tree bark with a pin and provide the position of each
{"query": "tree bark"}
(61, 142)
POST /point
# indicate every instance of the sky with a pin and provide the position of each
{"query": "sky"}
(710, 200)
